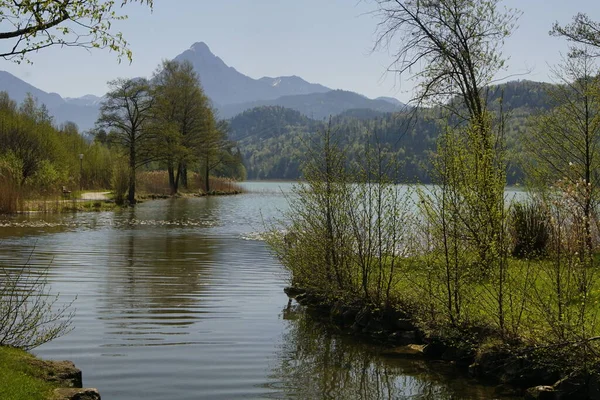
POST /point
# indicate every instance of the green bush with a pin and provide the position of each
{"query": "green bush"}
(530, 229)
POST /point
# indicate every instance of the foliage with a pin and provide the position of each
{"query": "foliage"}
(29, 26)
(582, 31)
(10, 169)
(562, 144)
(270, 138)
(38, 159)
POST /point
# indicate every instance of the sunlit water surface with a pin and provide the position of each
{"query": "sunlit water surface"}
(179, 299)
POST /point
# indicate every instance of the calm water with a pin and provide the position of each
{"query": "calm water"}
(178, 299)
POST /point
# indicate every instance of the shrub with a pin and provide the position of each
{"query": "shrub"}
(530, 229)
(28, 316)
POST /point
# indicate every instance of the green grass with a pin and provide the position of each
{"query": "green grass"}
(530, 302)
(20, 379)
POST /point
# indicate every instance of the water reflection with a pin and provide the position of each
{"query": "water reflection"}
(155, 280)
(315, 362)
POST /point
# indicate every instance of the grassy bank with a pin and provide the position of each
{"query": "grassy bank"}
(22, 378)
(67, 205)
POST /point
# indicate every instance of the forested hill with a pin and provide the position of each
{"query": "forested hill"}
(274, 139)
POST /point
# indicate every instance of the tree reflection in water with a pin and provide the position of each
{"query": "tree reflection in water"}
(315, 362)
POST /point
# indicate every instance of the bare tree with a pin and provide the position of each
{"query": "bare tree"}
(126, 111)
(450, 47)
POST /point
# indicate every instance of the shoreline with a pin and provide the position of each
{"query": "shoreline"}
(71, 206)
(515, 369)
(30, 377)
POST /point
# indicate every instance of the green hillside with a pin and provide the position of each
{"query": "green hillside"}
(273, 139)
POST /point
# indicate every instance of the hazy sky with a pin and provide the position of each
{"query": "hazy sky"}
(323, 41)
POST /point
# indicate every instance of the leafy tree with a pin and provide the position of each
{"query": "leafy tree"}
(32, 25)
(216, 150)
(24, 133)
(126, 112)
(183, 116)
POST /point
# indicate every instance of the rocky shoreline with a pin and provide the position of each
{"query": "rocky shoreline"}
(69, 379)
(516, 368)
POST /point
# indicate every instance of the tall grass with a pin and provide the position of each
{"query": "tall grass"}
(157, 183)
(530, 223)
(153, 182)
(11, 200)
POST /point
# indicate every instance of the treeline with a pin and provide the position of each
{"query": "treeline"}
(38, 158)
(165, 124)
(274, 140)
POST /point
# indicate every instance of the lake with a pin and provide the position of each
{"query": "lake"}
(179, 299)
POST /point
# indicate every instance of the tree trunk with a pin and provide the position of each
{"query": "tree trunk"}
(172, 183)
(175, 187)
(207, 177)
(184, 175)
(132, 160)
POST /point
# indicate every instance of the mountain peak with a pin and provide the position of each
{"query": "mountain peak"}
(201, 47)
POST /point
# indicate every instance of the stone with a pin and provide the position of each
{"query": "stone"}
(77, 394)
(300, 298)
(408, 351)
(293, 291)
(541, 393)
(64, 373)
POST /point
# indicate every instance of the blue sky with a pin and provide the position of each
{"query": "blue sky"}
(323, 41)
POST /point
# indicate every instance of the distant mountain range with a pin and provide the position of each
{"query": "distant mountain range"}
(317, 105)
(230, 91)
